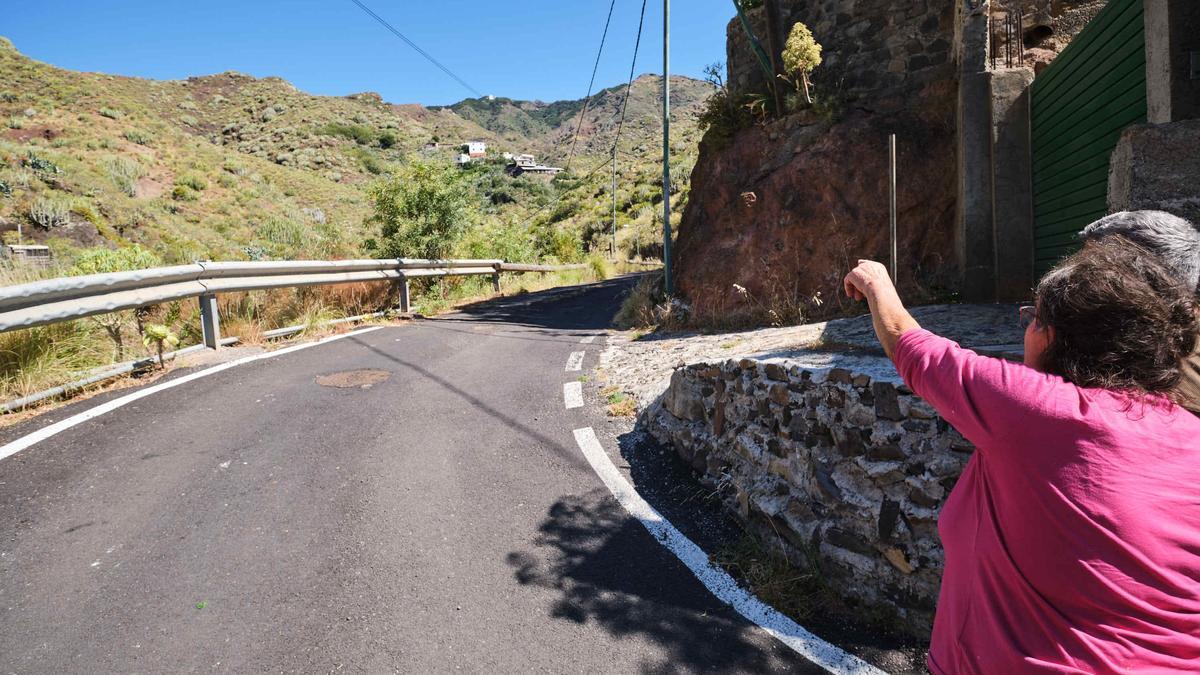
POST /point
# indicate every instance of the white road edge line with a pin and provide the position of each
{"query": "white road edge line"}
(573, 395)
(588, 340)
(575, 362)
(716, 580)
(58, 427)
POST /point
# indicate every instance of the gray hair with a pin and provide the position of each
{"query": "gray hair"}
(1174, 240)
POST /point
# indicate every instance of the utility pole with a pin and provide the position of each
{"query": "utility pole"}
(892, 201)
(613, 246)
(669, 287)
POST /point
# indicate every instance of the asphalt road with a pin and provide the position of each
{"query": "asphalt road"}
(441, 519)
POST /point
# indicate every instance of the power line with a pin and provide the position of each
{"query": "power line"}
(420, 51)
(612, 154)
(587, 100)
(629, 87)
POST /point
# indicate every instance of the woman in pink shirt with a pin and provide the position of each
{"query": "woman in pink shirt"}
(1072, 538)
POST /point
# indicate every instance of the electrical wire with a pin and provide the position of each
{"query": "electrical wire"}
(629, 87)
(587, 100)
(420, 51)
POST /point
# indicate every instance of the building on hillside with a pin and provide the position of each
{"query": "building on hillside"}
(34, 255)
(476, 149)
(464, 159)
(528, 164)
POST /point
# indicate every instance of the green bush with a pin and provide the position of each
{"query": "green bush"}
(359, 133)
(183, 193)
(111, 113)
(124, 172)
(16, 123)
(387, 140)
(5, 189)
(137, 136)
(193, 181)
(41, 165)
(423, 211)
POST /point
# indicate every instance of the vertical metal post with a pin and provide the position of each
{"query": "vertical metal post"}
(405, 301)
(669, 286)
(613, 250)
(210, 321)
(496, 279)
(892, 199)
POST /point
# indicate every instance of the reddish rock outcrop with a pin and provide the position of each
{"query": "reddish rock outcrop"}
(819, 203)
(785, 207)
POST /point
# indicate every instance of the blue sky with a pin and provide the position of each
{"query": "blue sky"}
(534, 49)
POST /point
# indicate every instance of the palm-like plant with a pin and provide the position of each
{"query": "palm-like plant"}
(161, 338)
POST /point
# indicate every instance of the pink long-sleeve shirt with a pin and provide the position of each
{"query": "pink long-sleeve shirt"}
(1072, 538)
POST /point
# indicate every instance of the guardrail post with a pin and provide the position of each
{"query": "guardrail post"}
(496, 278)
(210, 321)
(405, 301)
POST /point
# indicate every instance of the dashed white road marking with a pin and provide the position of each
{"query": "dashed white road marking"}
(573, 395)
(588, 340)
(575, 361)
(58, 427)
(716, 580)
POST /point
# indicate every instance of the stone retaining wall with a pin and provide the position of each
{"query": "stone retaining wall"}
(848, 470)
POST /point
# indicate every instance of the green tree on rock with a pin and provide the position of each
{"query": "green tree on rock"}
(423, 211)
(801, 55)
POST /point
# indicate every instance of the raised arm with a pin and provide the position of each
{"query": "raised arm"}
(869, 281)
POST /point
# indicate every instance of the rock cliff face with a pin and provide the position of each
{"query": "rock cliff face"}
(787, 206)
(784, 208)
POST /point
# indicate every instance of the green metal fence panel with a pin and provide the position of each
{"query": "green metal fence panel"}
(1081, 103)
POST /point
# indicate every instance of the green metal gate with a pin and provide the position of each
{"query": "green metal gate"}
(1080, 104)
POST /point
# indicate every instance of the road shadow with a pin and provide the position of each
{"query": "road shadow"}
(608, 570)
(576, 307)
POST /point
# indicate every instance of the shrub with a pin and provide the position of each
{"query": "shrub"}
(598, 266)
(16, 123)
(160, 338)
(640, 307)
(193, 181)
(41, 165)
(359, 133)
(189, 120)
(137, 136)
(111, 113)
(124, 172)
(801, 55)
(183, 193)
(49, 213)
(423, 211)
(387, 139)
(5, 189)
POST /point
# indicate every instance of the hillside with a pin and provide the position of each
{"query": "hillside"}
(229, 166)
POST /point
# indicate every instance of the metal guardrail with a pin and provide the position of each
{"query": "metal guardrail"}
(68, 298)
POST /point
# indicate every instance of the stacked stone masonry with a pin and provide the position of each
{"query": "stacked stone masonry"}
(831, 466)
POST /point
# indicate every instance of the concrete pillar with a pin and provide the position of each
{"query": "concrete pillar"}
(974, 238)
(1172, 60)
(1012, 184)
(210, 321)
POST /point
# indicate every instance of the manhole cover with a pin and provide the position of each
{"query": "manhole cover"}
(351, 379)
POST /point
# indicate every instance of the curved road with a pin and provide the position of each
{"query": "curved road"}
(441, 519)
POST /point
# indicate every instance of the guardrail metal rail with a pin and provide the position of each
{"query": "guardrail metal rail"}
(69, 298)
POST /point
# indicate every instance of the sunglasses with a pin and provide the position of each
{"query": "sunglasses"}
(1028, 315)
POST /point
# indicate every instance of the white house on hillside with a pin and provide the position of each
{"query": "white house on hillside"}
(475, 149)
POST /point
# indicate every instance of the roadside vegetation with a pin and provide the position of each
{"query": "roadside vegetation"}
(116, 173)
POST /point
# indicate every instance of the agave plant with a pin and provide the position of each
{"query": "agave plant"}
(161, 338)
